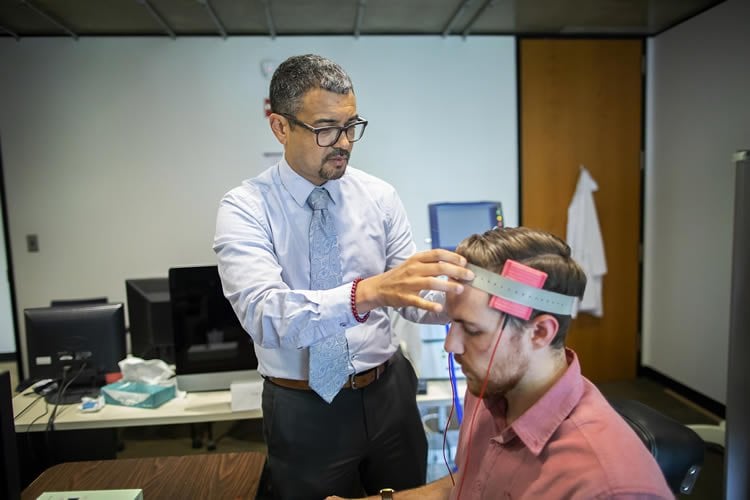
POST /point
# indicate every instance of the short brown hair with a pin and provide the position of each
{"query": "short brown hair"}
(534, 248)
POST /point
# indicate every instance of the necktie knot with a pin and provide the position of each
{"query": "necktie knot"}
(318, 199)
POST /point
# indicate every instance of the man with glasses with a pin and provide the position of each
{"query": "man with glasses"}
(311, 253)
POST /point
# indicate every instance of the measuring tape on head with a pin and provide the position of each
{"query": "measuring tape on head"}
(521, 293)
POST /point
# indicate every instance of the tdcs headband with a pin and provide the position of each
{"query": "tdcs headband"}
(518, 291)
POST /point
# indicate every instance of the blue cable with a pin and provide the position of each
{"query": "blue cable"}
(454, 388)
(454, 384)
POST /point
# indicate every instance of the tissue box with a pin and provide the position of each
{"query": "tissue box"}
(137, 394)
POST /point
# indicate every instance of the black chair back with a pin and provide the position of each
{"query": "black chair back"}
(678, 450)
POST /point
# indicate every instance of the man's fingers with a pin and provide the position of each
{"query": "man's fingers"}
(440, 255)
(426, 304)
(445, 269)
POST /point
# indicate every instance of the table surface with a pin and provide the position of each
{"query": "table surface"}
(194, 407)
(215, 475)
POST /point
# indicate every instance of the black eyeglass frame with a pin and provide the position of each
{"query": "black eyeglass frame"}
(317, 130)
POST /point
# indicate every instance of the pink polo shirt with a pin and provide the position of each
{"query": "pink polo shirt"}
(570, 444)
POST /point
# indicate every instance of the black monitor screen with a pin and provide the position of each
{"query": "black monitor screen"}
(150, 318)
(208, 336)
(89, 340)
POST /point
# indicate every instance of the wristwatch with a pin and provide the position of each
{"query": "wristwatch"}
(387, 493)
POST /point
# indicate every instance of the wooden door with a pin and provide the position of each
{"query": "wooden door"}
(581, 104)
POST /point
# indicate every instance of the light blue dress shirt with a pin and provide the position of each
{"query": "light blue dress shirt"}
(263, 255)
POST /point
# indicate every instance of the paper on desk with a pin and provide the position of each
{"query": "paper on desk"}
(246, 395)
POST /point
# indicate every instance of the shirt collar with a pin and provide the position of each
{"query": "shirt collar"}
(537, 424)
(300, 188)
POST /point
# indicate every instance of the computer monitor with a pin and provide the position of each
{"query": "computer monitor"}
(10, 473)
(150, 318)
(78, 302)
(212, 350)
(85, 342)
(451, 222)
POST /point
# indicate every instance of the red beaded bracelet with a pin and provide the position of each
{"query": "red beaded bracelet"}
(353, 303)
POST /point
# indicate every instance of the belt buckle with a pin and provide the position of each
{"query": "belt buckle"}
(352, 380)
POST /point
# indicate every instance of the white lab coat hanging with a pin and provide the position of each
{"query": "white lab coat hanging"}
(585, 240)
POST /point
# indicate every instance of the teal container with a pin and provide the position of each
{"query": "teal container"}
(137, 394)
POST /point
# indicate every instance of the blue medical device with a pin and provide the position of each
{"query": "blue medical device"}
(450, 223)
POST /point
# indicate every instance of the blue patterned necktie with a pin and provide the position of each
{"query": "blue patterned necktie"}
(329, 359)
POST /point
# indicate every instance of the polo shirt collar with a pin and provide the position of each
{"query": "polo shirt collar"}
(300, 188)
(537, 424)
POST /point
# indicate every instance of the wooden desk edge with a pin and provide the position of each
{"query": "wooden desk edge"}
(145, 470)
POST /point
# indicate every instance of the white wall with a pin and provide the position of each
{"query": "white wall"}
(7, 338)
(698, 115)
(117, 151)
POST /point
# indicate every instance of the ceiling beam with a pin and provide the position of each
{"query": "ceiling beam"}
(158, 17)
(269, 19)
(214, 17)
(11, 33)
(459, 11)
(50, 18)
(361, 4)
(477, 15)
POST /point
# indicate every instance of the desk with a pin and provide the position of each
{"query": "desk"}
(439, 392)
(216, 475)
(195, 407)
(97, 428)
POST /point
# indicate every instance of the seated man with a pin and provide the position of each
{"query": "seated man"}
(534, 427)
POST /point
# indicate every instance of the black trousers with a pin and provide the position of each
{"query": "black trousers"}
(365, 440)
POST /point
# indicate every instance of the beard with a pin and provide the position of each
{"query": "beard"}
(333, 173)
(500, 385)
(504, 375)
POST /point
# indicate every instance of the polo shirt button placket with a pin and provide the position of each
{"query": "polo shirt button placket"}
(477, 486)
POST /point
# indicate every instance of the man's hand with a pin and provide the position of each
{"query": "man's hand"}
(400, 286)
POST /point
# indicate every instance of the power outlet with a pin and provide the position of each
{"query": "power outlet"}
(32, 242)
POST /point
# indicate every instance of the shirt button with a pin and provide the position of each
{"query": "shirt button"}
(342, 325)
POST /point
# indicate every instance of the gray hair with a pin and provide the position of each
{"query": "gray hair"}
(298, 74)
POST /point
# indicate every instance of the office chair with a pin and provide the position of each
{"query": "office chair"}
(678, 450)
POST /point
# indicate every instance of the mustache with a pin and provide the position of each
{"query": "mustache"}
(338, 152)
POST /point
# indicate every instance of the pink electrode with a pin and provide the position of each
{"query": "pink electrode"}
(523, 274)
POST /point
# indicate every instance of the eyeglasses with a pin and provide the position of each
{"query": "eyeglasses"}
(328, 136)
